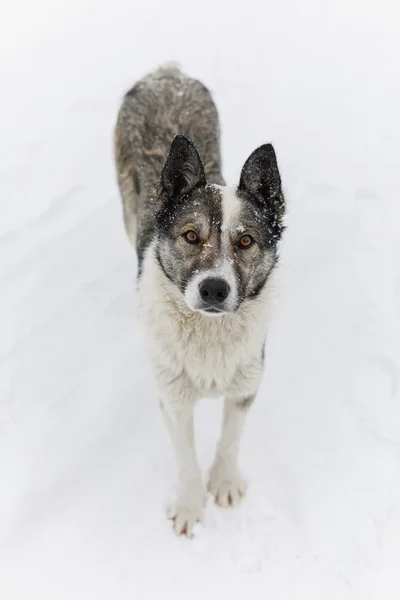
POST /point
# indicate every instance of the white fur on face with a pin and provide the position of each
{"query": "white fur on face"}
(223, 268)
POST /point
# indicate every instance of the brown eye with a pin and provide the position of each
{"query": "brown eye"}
(191, 237)
(246, 241)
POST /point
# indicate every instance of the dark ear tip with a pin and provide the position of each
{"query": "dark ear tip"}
(267, 149)
(179, 137)
(181, 140)
(265, 152)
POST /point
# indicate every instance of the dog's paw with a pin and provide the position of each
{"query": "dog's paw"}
(187, 511)
(226, 485)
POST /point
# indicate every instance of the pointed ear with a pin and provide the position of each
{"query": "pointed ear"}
(260, 175)
(183, 170)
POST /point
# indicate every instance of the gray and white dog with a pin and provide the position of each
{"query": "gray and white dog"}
(206, 253)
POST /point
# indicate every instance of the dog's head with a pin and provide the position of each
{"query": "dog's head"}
(218, 244)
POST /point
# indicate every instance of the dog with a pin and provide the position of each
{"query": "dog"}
(206, 253)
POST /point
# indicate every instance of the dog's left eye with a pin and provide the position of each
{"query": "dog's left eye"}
(191, 237)
(246, 241)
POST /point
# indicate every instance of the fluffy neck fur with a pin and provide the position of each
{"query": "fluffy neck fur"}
(210, 349)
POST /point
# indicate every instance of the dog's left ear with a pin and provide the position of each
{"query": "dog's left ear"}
(260, 175)
(183, 170)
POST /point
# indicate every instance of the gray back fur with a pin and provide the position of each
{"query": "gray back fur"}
(158, 107)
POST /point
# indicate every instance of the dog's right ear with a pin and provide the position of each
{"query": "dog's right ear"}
(183, 170)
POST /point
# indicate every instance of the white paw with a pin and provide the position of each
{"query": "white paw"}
(226, 485)
(188, 510)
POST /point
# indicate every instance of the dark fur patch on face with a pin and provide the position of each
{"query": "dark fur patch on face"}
(263, 280)
(199, 211)
(255, 264)
(269, 217)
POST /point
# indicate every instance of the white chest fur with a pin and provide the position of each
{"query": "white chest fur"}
(209, 350)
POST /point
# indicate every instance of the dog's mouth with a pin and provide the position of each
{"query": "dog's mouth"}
(212, 311)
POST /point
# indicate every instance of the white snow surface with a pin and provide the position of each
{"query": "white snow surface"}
(85, 463)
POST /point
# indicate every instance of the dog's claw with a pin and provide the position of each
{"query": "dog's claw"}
(188, 510)
(227, 487)
(184, 519)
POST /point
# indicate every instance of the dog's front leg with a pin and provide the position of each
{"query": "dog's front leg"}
(189, 507)
(225, 482)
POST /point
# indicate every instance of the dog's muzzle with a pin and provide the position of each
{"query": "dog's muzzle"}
(213, 293)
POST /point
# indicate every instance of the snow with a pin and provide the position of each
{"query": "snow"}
(85, 463)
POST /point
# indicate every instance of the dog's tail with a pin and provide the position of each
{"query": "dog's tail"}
(128, 176)
(170, 67)
(127, 181)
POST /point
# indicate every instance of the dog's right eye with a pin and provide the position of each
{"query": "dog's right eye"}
(191, 237)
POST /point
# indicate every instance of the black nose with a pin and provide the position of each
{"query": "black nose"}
(213, 291)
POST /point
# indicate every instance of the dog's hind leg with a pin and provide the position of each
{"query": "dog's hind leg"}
(189, 507)
(225, 482)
